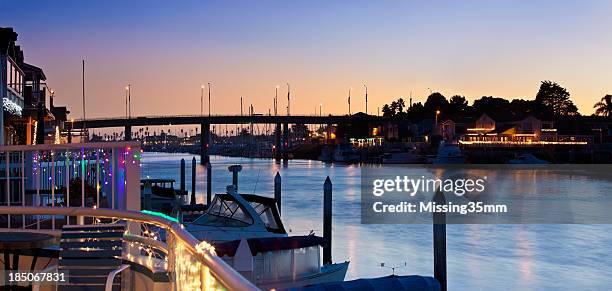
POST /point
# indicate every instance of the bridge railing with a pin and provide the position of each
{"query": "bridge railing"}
(206, 115)
(192, 264)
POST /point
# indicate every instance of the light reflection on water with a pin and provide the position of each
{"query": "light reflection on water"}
(509, 257)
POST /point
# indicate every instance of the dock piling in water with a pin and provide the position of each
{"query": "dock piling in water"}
(439, 241)
(208, 183)
(193, 180)
(327, 221)
(182, 175)
(277, 191)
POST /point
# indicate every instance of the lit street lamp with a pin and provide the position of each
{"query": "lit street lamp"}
(201, 100)
(437, 113)
(209, 99)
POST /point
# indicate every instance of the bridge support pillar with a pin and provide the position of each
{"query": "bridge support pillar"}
(204, 143)
(277, 143)
(128, 132)
(285, 142)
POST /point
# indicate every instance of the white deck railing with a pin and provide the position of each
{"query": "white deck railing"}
(194, 264)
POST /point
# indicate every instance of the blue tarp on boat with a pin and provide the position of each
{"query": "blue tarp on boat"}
(412, 283)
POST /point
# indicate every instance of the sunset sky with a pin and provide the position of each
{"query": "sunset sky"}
(167, 49)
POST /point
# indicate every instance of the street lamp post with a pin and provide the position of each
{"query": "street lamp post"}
(129, 101)
(288, 100)
(209, 99)
(202, 99)
(127, 92)
(437, 113)
(366, 98)
(276, 101)
(349, 101)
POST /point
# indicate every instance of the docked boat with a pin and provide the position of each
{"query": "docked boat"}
(449, 154)
(345, 153)
(402, 156)
(326, 154)
(527, 159)
(248, 234)
(159, 195)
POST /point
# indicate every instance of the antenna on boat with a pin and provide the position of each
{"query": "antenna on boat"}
(382, 265)
(256, 181)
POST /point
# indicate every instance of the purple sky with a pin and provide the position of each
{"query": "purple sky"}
(167, 49)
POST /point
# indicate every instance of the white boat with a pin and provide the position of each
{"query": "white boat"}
(159, 195)
(527, 159)
(449, 154)
(248, 234)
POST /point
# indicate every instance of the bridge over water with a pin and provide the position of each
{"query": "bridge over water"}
(205, 121)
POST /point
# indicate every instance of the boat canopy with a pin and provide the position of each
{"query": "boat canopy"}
(412, 282)
(226, 211)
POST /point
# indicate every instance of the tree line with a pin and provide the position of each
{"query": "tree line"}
(551, 101)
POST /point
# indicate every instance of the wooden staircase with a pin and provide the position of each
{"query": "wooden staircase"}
(88, 254)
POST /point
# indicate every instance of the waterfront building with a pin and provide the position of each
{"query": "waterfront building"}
(28, 115)
(528, 131)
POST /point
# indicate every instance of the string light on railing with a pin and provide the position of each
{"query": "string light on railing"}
(204, 247)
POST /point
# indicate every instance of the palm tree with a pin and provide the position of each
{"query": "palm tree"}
(604, 107)
(401, 105)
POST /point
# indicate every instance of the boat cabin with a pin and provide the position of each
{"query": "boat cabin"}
(275, 259)
(161, 187)
(159, 195)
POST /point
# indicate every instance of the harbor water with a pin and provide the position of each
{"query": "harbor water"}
(480, 257)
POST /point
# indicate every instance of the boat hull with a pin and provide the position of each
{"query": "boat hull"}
(328, 273)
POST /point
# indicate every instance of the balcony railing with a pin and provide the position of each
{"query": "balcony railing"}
(45, 187)
(191, 264)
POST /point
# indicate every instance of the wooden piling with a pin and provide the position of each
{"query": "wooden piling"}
(182, 182)
(439, 241)
(327, 221)
(193, 181)
(208, 183)
(277, 191)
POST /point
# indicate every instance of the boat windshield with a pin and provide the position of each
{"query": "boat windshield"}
(225, 213)
(266, 214)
